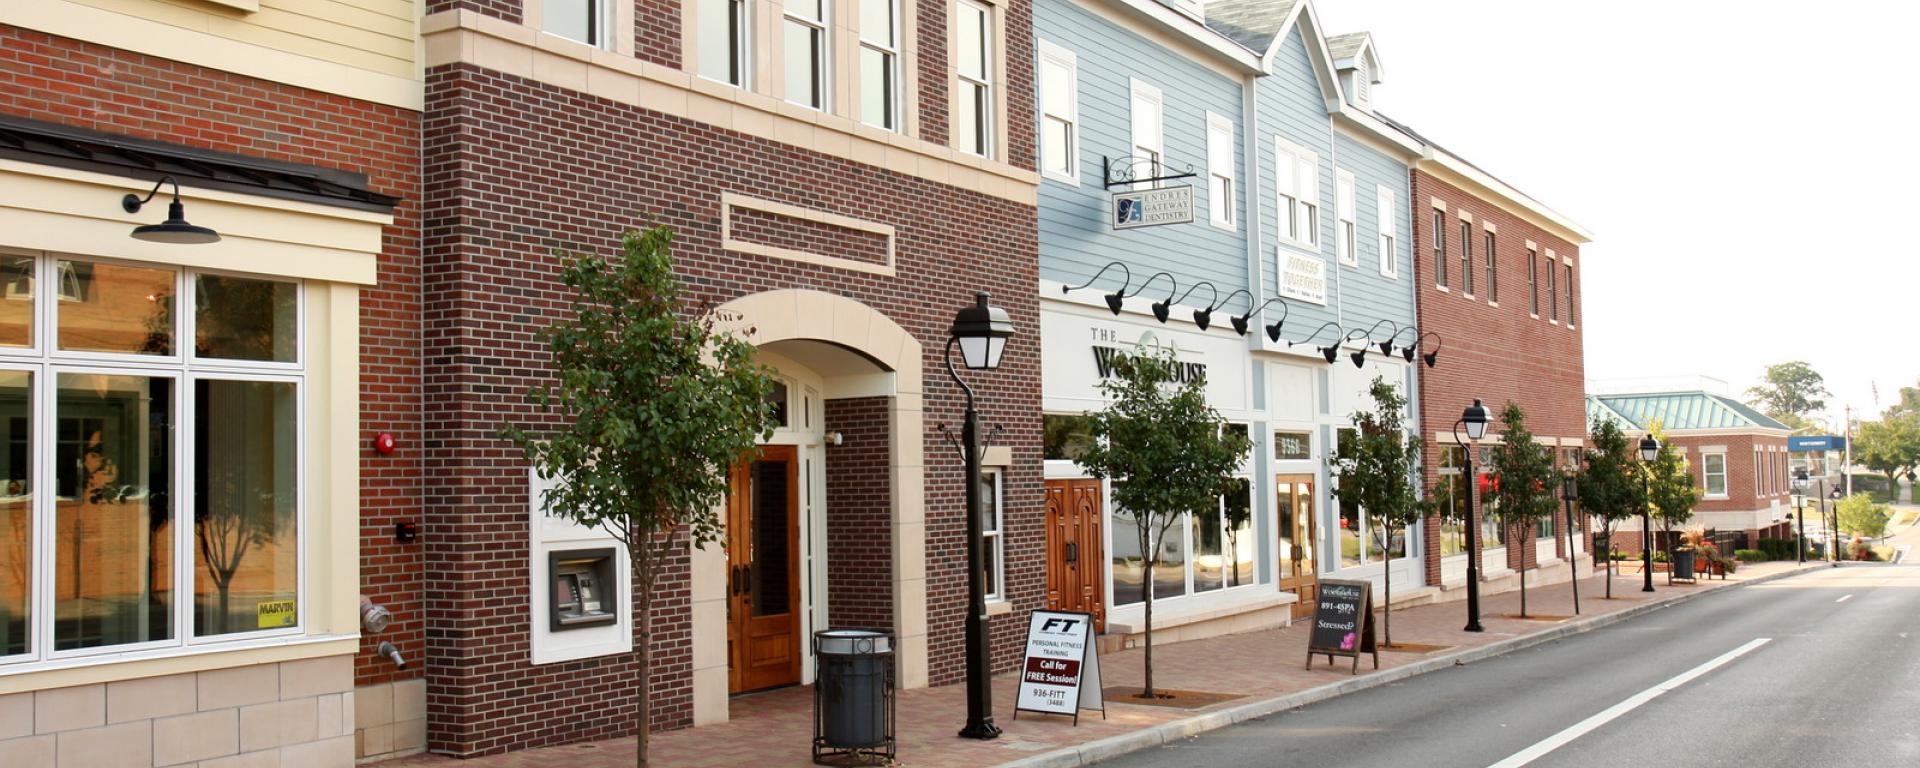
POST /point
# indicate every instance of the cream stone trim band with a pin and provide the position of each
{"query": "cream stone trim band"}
(223, 48)
(109, 668)
(464, 37)
(729, 201)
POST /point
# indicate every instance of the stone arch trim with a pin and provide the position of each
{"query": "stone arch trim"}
(810, 315)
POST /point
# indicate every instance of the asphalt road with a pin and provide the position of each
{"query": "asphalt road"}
(1835, 683)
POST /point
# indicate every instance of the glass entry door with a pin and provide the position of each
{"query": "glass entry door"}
(763, 584)
(1293, 510)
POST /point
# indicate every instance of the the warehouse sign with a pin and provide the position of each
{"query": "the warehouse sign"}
(1153, 207)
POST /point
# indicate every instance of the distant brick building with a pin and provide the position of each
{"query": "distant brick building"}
(1737, 455)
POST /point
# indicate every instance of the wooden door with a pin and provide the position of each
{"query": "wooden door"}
(763, 584)
(1076, 549)
(1298, 540)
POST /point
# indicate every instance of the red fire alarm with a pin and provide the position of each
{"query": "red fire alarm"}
(384, 443)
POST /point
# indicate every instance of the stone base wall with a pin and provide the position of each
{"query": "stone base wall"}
(390, 719)
(291, 714)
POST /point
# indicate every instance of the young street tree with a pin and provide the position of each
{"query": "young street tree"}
(1610, 485)
(1523, 482)
(1167, 454)
(1860, 516)
(1670, 491)
(1791, 394)
(655, 405)
(1890, 446)
(1376, 474)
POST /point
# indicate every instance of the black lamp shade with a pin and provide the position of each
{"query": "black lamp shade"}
(1160, 310)
(1569, 487)
(982, 330)
(1408, 353)
(1359, 357)
(175, 229)
(1273, 331)
(1386, 347)
(1114, 300)
(1240, 324)
(1431, 358)
(1330, 353)
(1475, 417)
(1649, 448)
(1203, 318)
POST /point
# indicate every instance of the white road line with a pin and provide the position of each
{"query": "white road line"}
(1844, 599)
(1609, 714)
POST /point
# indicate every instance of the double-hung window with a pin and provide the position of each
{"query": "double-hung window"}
(1533, 280)
(1440, 247)
(152, 421)
(1713, 467)
(1149, 153)
(1347, 234)
(973, 82)
(992, 529)
(721, 40)
(588, 21)
(1387, 223)
(804, 39)
(1493, 269)
(1297, 182)
(1221, 189)
(1059, 113)
(880, 64)
(1466, 256)
(1553, 292)
(1569, 283)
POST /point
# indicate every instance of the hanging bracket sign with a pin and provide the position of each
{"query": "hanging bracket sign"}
(1061, 672)
(1343, 623)
(1153, 207)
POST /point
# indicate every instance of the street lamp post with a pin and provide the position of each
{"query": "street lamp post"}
(1833, 527)
(1569, 492)
(1649, 450)
(1475, 420)
(1800, 509)
(981, 331)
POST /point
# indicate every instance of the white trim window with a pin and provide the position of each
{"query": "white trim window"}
(1466, 256)
(1713, 475)
(1346, 234)
(1297, 185)
(1146, 115)
(1386, 221)
(1553, 292)
(1493, 267)
(973, 81)
(154, 459)
(586, 21)
(993, 541)
(880, 64)
(1222, 199)
(804, 56)
(1569, 285)
(1533, 279)
(1059, 113)
(1440, 248)
(1759, 471)
(721, 26)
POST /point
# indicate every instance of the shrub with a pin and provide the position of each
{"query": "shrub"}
(1751, 555)
(1619, 555)
(1660, 556)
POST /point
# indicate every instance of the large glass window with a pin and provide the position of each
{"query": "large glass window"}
(973, 124)
(169, 471)
(1207, 551)
(16, 300)
(879, 64)
(1066, 436)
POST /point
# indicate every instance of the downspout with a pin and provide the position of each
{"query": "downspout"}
(1256, 272)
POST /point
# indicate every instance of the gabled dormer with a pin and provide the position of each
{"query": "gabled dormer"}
(1359, 67)
(1196, 9)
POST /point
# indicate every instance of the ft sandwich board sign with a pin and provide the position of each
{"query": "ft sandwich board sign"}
(1061, 672)
(1343, 623)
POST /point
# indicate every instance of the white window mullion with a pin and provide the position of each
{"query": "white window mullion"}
(1222, 185)
(804, 37)
(973, 122)
(879, 65)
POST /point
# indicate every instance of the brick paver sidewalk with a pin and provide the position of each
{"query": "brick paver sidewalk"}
(774, 729)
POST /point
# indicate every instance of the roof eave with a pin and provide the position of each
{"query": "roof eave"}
(1435, 159)
(1195, 30)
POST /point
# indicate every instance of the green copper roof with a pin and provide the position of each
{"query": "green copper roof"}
(1678, 410)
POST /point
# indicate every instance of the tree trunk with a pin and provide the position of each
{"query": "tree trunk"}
(1148, 614)
(1386, 592)
(642, 557)
(1608, 533)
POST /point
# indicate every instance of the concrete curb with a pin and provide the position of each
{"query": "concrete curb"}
(1172, 731)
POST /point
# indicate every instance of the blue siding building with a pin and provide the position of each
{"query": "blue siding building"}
(1300, 216)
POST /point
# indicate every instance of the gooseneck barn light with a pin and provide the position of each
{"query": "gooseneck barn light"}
(1386, 347)
(1202, 317)
(1242, 322)
(1474, 418)
(1115, 299)
(1431, 357)
(981, 331)
(1160, 308)
(1329, 352)
(1649, 450)
(175, 229)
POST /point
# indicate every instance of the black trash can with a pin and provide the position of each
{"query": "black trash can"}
(852, 696)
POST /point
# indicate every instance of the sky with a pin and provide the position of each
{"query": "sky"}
(1747, 169)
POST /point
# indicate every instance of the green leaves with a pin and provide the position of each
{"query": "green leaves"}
(1610, 485)
(1376, 468)
(1525, 484)
(656, 404)
(1671, 492)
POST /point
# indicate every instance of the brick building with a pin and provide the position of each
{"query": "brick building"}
(139, 464)
(842, 197)
(1737, 455)
(1497, 273)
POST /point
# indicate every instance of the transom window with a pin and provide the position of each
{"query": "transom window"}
(152, 421)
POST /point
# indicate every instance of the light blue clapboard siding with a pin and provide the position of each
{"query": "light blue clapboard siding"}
(1075, 237)
(1365, 295)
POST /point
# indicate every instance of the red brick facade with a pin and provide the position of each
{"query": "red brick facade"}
(517, 170)
(1494, 352)
(81, 84)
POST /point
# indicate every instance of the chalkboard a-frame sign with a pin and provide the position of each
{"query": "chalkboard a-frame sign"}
(1343, 623)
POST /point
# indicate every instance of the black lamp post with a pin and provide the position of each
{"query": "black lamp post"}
(1833, 528)
(1569, 493)
(981, 331)
(1800, 509)
(1475, 420)
(1649, 450)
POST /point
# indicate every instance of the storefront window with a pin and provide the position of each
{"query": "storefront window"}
(1291, 446)
(16, 300)
(1237, 507)
(1129, 567)
(1453, 495)
(119, 546)
(1293, 508)
(1205, 552)
(1353, 543)
(1067, 437)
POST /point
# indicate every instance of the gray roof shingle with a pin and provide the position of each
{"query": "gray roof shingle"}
(1345, 46)
(1251, 23)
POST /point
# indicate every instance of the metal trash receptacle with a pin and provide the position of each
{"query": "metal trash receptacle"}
(852, 696)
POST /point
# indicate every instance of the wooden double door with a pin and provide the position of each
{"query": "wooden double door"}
(1298, 537)
(1076, 549)
(763, 574)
